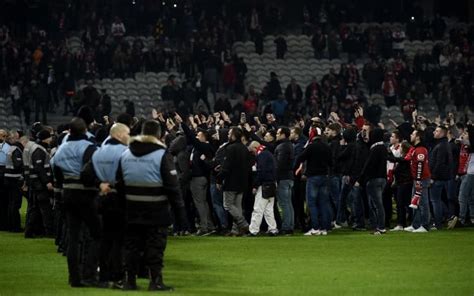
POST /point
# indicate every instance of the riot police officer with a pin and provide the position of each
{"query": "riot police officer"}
(4, 148)
(80, 202)
(14, 181)
(147, 178)
(39, 180)
(103, 169)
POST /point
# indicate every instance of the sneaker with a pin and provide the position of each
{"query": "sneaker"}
(452, 222)
(312, 231)
(420, 229)
(434, 228)
(413, 206)
(382, 231)
(272, 233)
(376, 232)
(286, 232)
(322, 232)
(210, 232)
(409, 229)
(397, 228)
(337, 226)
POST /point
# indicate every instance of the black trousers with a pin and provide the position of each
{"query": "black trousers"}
(299, 197)
(39, 214)
(404, 195)
(3, 205)
(14, 205)
(111, 244)
(80, 207)
(150, 239)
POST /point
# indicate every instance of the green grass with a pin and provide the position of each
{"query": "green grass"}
(343, 263)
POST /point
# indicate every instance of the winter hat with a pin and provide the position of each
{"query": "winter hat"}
(43, 135)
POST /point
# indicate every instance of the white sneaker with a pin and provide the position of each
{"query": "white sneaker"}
(420, 229)
(409, 229)
(397, 228)
(337, 226)
(312, 231)
(322, 232)
(413, 206)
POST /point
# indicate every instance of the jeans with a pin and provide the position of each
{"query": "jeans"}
(318, 202)
(375, 189)
(357, 207)
(334, 192)
(218, 205)
(421, 216)
(344, 196)
(436, 191)
(466, 198)
(284, 192)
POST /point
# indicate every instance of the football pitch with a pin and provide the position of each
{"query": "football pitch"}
(342, 263)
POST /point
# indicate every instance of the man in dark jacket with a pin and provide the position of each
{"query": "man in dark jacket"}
(346, 157)
(201, 155)
(299, 193)
(318, 161)
(441, 167)
(333, 133)
(374, 175)
(285, 156)
(178, 148)
(233, 179)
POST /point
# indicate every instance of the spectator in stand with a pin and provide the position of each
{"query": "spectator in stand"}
(389, 89)
(293, 95)
(118, 29)
(281, 47)
(274, 88)
(398, 39)
(319, 43)
(170, 93)
(408, 105)
(251, 102)
(229, 77)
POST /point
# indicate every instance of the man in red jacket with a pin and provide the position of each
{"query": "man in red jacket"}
(420, 171)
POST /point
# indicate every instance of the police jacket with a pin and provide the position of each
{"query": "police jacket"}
(4, 148)
(147, 180)
(14, 165)
(69, 160)
(36, 162)
(285, 158)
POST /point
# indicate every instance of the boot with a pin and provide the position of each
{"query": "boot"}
(130, 282)
(156, 284)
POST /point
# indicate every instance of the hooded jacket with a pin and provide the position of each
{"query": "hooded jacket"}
(155, 212)
(376, 164)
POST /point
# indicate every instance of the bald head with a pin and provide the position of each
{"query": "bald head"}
(253, 146)
(120, 132)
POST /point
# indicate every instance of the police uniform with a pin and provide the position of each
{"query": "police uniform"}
(4, 149)
(147, 178)
(36, 162)
(80, 205)
(103, 168)
(13, 185)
